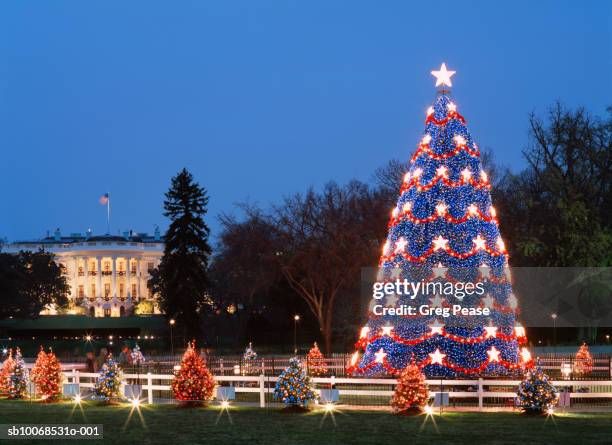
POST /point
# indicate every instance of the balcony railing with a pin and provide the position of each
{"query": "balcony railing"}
(107, 272)
(92, 273)
(121, 273)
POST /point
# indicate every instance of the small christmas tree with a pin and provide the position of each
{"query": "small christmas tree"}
(535, 394)
(5, 373)
(137, 357)
(18, 379)
(293, 387)
(47, 375)
(108, 383)
(316, 361)
(411, 393)
(584, 361)
(37, 370)
(249, 359)
(193, 382)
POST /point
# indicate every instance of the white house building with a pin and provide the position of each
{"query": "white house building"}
(107, 274)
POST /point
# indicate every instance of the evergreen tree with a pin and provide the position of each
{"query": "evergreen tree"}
(293, 387)
(193, 383)
(444, 230)
(108, 383)
(535, 394)
(47, 375)
(18, 379)
(411, 392)
(584, 361)
(316, 361)
(181, 280)
(249, 360)
(5, 373)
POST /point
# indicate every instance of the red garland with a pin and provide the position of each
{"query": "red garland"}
(410, 216)
(363, 342)
(425, 148)
(451, 115)
(430, 251)
(394, 371)
(424, 187)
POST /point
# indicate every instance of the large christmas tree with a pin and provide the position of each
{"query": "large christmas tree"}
(444, 229)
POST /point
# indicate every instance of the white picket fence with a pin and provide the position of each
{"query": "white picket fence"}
(264, 385)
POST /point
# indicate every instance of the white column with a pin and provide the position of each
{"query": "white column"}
(114, 281)
(99, 278)
(128, 280)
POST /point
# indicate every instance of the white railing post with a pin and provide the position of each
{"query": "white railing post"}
(221, 366)
(76, 378)
(149, 388)
(262, 394)
(480, 394)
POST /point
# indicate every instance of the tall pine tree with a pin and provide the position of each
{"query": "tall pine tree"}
(181, 280)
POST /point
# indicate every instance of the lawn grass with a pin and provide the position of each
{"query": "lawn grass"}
(169, 424)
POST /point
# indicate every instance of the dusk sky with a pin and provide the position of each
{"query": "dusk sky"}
(263, 99)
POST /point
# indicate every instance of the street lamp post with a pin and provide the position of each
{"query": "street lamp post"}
(172, 337)
(296, 318)
(554, 319)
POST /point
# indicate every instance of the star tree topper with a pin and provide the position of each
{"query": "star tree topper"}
(443, 76)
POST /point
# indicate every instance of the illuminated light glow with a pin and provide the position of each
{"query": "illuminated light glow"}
(500, 244)
(386, 247)
(426, 139)
(386, 330)
(436, 328)
(354, 358)
(437, 357)
(519, 331)
(493, 354)
(395, 212)
(430, 111)
(472, 210)
(492, 212)
(400, 245)
(459, 140)
(443, 76)
(550, 411)
(135, 403)
(490, 331)
(225, 404)
(380, 356)
(488, 301)
(417, 172)
(329, 407)
(441, 171)
(428, 410)
(440, 271)
(479, 243)
(441, 209)
(77, 398)
(440, 243)
(407, 207)
(466, 174)
(407, 177)
(525, 355)
(364, 332)
(484, 176)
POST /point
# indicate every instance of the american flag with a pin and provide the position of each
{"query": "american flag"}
(104, 199)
